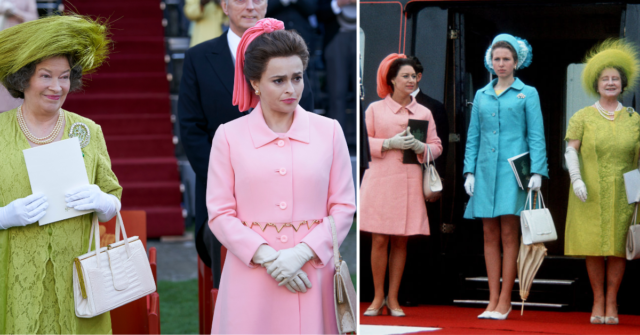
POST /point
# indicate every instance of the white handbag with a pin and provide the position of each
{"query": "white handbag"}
(633, 237)
(112, 276)
(537, 224)
(344, 294)
(431, 182)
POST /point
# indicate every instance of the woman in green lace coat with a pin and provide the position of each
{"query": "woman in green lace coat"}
(36, 278)
(604, 140)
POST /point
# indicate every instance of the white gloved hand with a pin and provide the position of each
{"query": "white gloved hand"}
(299, 282)
(90, 197)
(401, 141)
(573, 165)
(417, 147)
(263, 253)
(23, 211)
(287, 262)
(535, 182)
(469, 184)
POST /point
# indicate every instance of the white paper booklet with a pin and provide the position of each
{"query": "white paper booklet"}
(632, 185)
(54, 169)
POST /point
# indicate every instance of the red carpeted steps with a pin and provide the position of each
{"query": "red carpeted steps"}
(129, 97)
(461, 320)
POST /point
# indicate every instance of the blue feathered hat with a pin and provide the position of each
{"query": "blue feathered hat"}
(522, 47)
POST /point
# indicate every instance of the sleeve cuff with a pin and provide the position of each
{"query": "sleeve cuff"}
(335, 8)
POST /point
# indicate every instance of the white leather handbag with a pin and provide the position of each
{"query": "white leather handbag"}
(112, 276)
(431, 182)
(344, 294)
(633, 237)
(536, 223)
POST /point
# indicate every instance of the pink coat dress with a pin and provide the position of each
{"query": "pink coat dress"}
(256, 175)
(391, 198)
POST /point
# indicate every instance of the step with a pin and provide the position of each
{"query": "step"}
(115, 10)
(140, 146)
(139, 45)
(92, 104)
(514, 304)
(149, 26)
(151, 194)
(134, 124)
(146, 169)
(535, 281)
(162, 221)
(138, 82)
(126, 63)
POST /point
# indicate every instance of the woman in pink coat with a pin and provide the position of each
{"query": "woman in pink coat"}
(275, 176)
(392, 205)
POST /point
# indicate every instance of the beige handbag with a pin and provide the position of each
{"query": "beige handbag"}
(344, 295)
(633, 237)
(431, 182)
(112, 276)
(536, 223)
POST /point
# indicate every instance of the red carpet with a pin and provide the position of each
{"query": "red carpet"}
(463, 320)
(129, 98)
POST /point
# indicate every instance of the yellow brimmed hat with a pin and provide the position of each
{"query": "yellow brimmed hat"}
(610, 53)
(85, 39)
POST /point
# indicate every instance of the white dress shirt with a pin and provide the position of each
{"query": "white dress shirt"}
(234, 41)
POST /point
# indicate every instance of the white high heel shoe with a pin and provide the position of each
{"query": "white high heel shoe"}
(375, 312)
(394, 312)
(495, 315)
(485, 315)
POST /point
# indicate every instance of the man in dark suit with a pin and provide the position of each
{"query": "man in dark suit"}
(422, 260)
(205, 102)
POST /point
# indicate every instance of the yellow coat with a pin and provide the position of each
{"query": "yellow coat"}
(36, 277)
(598, 227)
(207, 22)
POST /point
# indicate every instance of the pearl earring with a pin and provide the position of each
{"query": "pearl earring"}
(257, 92)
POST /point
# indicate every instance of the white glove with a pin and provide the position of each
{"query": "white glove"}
(263, 253)
(90, 197)
(469, 184)
(299, 282)
(23, 211)
(417, 147)
(573, 165)
(400, 141)
(287, 262)
(535, 182)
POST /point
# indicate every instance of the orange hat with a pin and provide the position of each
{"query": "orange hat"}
(383, 69)
(243, 95)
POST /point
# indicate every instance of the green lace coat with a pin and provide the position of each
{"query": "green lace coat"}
(598, 227)
(36, 276)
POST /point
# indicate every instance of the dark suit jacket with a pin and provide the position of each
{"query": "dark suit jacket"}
(205, 102)
(442, 128)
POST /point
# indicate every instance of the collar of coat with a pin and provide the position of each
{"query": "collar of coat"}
(261, 134)
(396, 107)
(517, 85)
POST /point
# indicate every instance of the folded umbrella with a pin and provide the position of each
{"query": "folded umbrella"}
(530, 258)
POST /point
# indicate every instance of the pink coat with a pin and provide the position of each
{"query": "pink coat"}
(391, 198)
(256, 175)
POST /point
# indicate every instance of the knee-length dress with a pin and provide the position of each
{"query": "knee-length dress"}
(502, 126)
(256, 178)
(36, 278)
(391, 197)
(608, 149)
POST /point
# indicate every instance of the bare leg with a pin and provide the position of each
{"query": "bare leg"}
(595, 268)
(379, 244)
(491, 227)
(615, 271)
(397, 260)
(509, 231)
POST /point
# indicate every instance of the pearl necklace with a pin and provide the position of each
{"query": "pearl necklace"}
(40, 140)
(607, 114)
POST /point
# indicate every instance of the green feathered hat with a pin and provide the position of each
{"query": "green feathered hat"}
(611, 53)
(86, 39)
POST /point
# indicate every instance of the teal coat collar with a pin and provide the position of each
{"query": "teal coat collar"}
(517, 85)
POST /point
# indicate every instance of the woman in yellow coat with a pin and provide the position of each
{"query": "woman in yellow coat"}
(207, 17)
(42, 61)
(604, 140)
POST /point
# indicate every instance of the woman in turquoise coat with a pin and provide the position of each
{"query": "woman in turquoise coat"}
(506, 121)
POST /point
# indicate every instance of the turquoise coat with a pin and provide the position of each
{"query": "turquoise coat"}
(502, 127)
